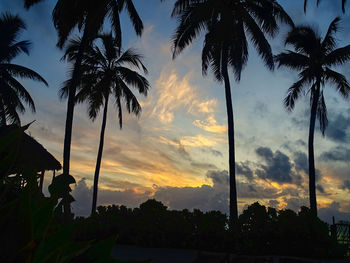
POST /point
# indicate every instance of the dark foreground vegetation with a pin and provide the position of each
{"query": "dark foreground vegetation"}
(33, 230)
(262, 231)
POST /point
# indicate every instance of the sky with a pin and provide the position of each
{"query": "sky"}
(177, 150)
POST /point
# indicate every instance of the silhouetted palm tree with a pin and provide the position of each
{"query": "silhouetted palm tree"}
(89, 16)
(12, 92)
(227, 24)
(343, 2)
(313, 58)
(107, 73)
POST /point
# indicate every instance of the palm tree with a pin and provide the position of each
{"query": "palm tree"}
(107, 74)
(89, 16)
(12, 92)
(343, 2)
(313, 58)
(226, 25)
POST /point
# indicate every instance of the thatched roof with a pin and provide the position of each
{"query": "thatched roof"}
(24, 151)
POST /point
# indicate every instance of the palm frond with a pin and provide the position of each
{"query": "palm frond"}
(329, 40)
(29, 3)
(338, 57)
(259, 41)
(134, 79)
(134, 17)
(294, 93)
(23, 72)
(339, 80)
(191, 22)
(292, 60)
(21, 92)
(133, 58)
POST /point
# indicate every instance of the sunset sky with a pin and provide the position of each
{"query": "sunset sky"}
(177, 151)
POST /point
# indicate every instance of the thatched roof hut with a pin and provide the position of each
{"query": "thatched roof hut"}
(19, 152)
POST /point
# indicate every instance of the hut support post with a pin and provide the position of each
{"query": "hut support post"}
(41, 181)
(53, 175)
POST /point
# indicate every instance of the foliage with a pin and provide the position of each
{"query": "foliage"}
(12, 93)
(263, 231)
(31, 233)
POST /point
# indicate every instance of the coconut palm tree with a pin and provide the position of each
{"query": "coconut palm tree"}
(343, 2)
(89, 17)
(226, 25)
(314, 57)
(12, 92)
(108, 74)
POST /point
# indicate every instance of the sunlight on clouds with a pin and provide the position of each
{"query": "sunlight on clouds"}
(197, 141)
(174, 93)
(208, 106)
(210, 125)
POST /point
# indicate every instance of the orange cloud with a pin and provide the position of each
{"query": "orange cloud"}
(210, 125)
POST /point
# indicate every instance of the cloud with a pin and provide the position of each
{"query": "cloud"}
(338, 127)
(278, 166)
(294, 203)
(301, 162)
(320, 189)
(243, 168)
(273, 203)
(346, 185)
(337, 154)
(176, 93)
(210, 125)
(260, 109)
(83, 196)
(198, 141)
(214, 152)
(207, 197)
(333, 210)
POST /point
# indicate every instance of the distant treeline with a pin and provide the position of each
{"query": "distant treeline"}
(263, 231)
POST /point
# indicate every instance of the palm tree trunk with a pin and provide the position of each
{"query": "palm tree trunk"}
(312, 174)
(231, 142)
(99, 158)
(3, 114)
(70, 113)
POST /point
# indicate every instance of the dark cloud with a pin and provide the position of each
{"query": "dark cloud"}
(205, 197)
(339, 154)
(346, 185)
(294, 203)
(83, 196)
(338, 127)
(320, 189)
(278, 166)
(243, 168)
(333, 210)
(301, 162)
(214, 152)
(218, 177)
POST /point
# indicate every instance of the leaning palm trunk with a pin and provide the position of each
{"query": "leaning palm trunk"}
(70, 113)
(99, 158)
(231, 140)
(312, 173)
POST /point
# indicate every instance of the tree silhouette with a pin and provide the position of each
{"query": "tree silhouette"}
(226, 25)
(12, 92)
(108, 73)
(313, 58)
(89, 17)
(343, 2)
